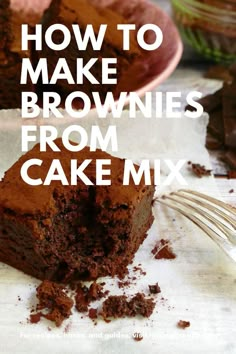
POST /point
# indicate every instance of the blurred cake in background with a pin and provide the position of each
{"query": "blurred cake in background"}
(66, 12)
(209, 26)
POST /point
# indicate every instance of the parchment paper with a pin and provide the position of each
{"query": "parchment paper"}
(198, 286)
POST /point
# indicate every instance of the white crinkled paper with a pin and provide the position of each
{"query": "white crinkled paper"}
(198, 286)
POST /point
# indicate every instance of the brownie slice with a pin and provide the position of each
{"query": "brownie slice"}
(229, 113)
(62, 233)
(11, 57)
(82, 12)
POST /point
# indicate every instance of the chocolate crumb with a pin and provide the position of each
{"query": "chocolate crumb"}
(123, 284)
(121, 306)
(84, 296)
(162, 250)
(137, 337)
(53, 298)
(92, 313)
(154, 289)
(232, 174)
(200, 170)
(183, 324)
(95, 292)
(231, 191)
(35, 318)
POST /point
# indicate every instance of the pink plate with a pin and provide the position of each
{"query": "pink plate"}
(153, 67)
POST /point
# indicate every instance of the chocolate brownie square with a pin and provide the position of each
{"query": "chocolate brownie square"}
(66, 232)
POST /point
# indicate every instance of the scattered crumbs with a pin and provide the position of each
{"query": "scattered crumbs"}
(123, 284)
(138, 268)
(163, 250)
(231, 191)
(199, 170)
(137, 337)
(52, 297)
(92, 313)
(163, 301)
(49, 329)
(183, 324)
(154, 289)
(19, 298)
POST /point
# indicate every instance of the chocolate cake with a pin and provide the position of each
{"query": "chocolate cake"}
(66, 12)
(82, 12)
(11, 57)
(68, 232)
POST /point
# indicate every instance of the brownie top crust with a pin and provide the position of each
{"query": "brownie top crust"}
(24, 199)
(82, 12)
